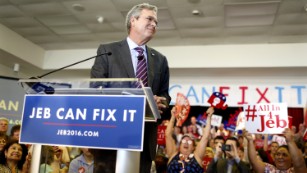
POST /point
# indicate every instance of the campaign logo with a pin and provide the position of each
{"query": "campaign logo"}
(217, 100)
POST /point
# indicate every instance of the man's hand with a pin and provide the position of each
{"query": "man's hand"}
(161, 103)
(233, 152)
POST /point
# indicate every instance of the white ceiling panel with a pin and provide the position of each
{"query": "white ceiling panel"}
(90, 6)
(70, 29)
(33, 31)
(290, 30)
(199, 22)
(60, 20)
(247, 31)
(201, 33)
(242, 21)
(20, 22)
(100, 27)
(4, 2)
(7, 11)
(48, 38)
(289, 19)
(19, 2)
(48, 8)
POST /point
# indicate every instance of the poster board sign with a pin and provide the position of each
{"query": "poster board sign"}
(161, 135)
(216, 120)
(270, 118)
(240, 121)
(279, 139)
(182, 109)
(92, 121)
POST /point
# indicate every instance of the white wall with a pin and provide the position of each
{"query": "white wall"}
(219, 56)
(20, 47)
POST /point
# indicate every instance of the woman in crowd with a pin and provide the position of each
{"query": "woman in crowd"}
(14, 158)
(3, 141)
(188, 158)
(288, 158)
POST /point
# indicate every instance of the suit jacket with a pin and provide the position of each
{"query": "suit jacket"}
(119, 65)
(221, 167)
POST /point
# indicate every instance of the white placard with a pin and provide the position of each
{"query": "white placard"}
(271, 118)
(216, 120)
(279, 139)
(240, 121)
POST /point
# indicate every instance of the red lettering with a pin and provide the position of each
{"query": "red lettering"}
(222, 88)
(243, 88)
(269, 123)
(284, 123)
(262, 123)
(262, 95)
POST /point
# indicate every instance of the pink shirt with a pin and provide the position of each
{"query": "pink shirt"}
(272, 169)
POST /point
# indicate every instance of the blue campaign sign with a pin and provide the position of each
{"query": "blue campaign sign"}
(110, 122)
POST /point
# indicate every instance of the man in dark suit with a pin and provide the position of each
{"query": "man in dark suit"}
(232, 162)
(141, 22)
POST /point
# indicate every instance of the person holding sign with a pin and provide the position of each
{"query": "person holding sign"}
(189, 156)
(288, 158)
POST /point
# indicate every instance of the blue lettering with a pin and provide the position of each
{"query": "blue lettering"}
(171, 88)
(279, 90)
(299, 93)
(204, 93)
(192, 93)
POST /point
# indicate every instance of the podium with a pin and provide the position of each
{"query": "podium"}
(92, 113)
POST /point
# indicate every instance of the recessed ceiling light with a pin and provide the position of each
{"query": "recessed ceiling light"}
(196, 12)
(78, 7)
(100, 19)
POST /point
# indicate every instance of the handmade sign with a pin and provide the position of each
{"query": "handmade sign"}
(279, 139)
(216, 120)
(240, 121)
(182, 109)
(270, 118)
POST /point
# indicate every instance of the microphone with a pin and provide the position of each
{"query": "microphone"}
(39, 87)
(53, 71)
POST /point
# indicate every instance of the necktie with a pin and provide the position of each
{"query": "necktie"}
(141, 69)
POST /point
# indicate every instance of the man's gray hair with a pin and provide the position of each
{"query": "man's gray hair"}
(4, 119)
(136, 12)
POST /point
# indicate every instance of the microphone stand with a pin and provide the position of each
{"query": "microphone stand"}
(53, 71)
(38, 87)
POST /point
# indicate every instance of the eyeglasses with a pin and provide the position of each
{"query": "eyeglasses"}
(184, 141)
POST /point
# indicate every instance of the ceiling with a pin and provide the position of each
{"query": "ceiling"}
(72, 24)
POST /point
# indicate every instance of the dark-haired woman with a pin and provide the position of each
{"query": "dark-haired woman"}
(188, 157)
(14, 158)
(288, 158)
